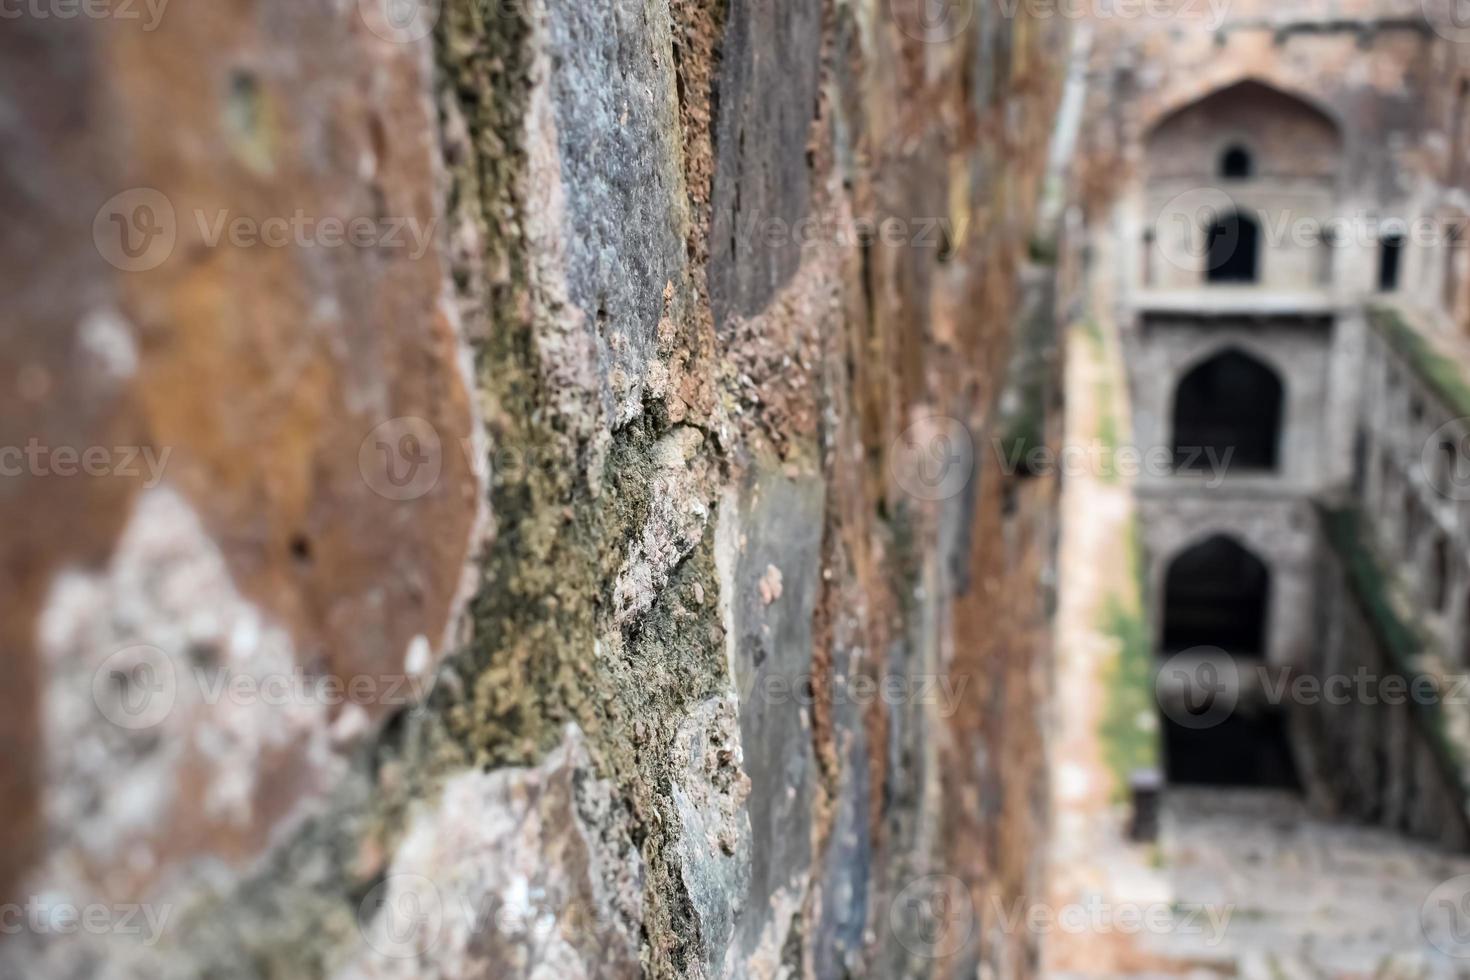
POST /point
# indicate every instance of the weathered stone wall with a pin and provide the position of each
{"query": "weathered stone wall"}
(1382, 739)
(1392, 599)
(509, 489)
(1411, 478)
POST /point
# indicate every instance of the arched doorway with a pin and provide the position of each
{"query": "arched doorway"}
(1217, 597)
(1216, 594)
(1231, 247)
(1227, 412)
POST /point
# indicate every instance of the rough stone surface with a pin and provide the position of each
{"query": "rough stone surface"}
(554, 582)
(711, 790)
(769, 637)
(513, 873)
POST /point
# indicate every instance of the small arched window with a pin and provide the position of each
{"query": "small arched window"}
(1235, 163)
(1230, 243)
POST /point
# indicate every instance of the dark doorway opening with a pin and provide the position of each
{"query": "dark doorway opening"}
(1389, 253)
(1230, 404)
(1216, 595)
(1231, 245)
(1241, 750)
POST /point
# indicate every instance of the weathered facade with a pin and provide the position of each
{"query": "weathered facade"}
(506, 490)
(1281, 181)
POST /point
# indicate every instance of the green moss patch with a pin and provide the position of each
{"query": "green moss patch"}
(1129, 726)
(1024, 419)
(1372, 587)
(1345, 530)
(1444, 375)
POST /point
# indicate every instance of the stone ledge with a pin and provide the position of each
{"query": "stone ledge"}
(1247, 485)
(1227, 301)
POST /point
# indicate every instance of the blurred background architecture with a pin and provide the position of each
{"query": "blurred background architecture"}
(1275, 205)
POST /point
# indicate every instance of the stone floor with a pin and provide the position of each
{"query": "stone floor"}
(1245, 883)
